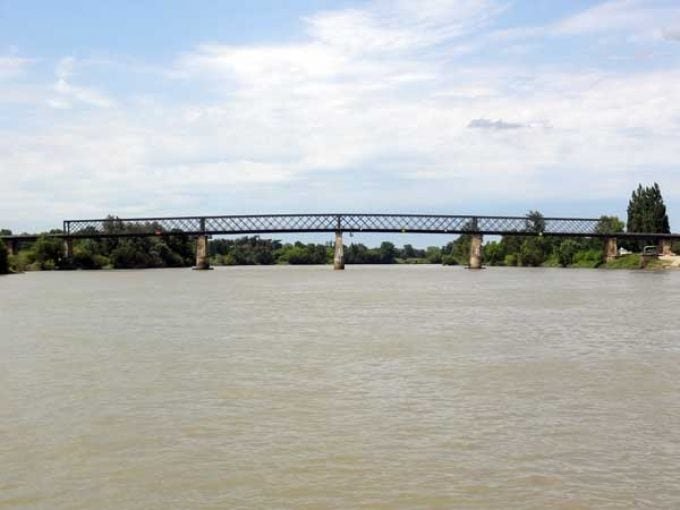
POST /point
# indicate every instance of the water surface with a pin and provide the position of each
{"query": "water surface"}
(378, 387)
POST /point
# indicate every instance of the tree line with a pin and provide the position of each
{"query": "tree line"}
(646, 213)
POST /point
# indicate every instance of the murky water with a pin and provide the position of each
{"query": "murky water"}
(304, 388)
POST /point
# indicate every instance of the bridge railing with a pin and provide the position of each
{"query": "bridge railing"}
(245, 224)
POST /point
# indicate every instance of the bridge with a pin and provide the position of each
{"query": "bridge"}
(203, 227)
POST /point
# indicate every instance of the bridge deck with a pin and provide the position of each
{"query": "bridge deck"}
(331, 222)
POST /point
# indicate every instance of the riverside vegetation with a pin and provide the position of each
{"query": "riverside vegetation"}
(646, 213)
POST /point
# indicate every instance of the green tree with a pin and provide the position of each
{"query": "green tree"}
(566, 252)
(433, 254)
(47, 252)
(535, 222)
(609, 225)
(647, 211)
(494, 253)
(387, 253)
(532, 252)
(459, 250)
(408, 252)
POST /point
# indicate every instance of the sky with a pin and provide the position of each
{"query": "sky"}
(168, 107)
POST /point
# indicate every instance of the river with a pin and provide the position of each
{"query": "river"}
(389, 387)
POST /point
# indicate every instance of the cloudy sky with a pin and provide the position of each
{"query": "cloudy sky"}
(446, 106)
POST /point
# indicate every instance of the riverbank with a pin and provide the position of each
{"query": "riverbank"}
(632, 262)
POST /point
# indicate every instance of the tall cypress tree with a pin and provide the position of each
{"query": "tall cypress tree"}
(646, 211)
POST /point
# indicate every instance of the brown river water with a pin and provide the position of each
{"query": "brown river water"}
(394, 387)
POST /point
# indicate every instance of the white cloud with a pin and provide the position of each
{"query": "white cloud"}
(12, 66)
(632, 16)
(392, 26)
(375, 101)
(67, 94)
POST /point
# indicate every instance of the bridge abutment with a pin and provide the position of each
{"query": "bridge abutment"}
(12, 247)
(611, 249)
(476, 251)
(665, 247)
(202, 253)
(67, 248)
(338, 254)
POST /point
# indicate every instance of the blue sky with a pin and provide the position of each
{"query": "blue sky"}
(444, 106)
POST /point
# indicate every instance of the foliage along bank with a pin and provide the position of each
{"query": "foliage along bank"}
(646, 213)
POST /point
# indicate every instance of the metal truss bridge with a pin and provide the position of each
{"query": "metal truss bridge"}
(335, 222)
(300, 223)
(203, 227)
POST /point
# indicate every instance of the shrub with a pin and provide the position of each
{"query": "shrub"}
(449, 260)
(587, 258)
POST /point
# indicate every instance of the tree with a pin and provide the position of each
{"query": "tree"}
(459, 249)
(408, 252)
(494, 253)
(47, 252)
(535, 222)
(646, 211)
(532, 252)
(433, 254)
(609, 225)
(388, 253)
(566, 252)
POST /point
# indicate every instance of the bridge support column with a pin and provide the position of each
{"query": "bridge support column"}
(12, 247)
(68, 247)
(665, 247)
(202, 254)
(338, 256)
(611, 249)
(476, 251)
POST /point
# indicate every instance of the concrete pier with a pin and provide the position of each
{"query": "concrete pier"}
(665, 247)
(338, 256)
(202, 253)
(611, 249)
(476, 251)
(68, 248)
(12, 247)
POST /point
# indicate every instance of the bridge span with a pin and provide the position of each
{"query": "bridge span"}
(203, 227)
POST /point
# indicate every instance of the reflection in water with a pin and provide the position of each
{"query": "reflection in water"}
(379, 387)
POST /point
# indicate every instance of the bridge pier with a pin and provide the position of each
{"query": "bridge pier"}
(476, 251)
(611, 249)
(665, 247)
(338, 255)
(12, 247)
(202, 254)
(67, 247)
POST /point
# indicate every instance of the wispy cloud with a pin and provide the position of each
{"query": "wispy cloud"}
(67, 94)
(12, 66)
(374, 98)
(493, 124)
(632, 16)
(672, 34)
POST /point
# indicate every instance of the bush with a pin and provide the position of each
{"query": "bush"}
(433, 254)
(587, 258)
(632, 261)
(531, 253)
(566, 252)
(22, 261)
(494, 254)
(449, 260)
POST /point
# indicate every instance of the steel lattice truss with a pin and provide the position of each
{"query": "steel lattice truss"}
(260, 224)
